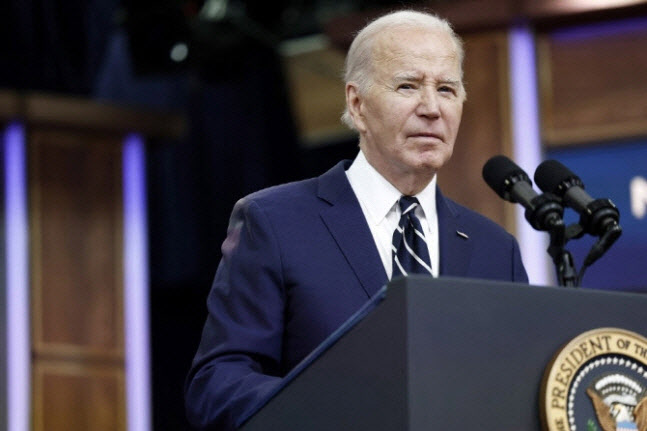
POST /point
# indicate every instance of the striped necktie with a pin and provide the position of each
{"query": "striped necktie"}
(410, 251)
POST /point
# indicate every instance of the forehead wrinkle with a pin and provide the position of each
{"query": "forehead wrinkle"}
(385, 53)
(445, 70)
(436, 37)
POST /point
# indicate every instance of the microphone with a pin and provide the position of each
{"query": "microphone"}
(597, 216)
(511, 183)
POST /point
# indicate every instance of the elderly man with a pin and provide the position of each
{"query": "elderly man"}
(301, 258)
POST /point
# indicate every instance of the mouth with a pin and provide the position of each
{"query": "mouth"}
(425, 135)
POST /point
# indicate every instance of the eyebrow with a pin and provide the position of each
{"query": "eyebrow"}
(418, 77)
(408, 77)
(450, 82)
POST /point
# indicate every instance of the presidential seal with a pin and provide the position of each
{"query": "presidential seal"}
(597, 382)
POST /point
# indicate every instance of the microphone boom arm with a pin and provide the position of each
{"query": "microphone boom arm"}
(562, 258)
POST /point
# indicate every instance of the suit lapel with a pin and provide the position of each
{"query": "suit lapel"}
(346, 223)
(455, 249)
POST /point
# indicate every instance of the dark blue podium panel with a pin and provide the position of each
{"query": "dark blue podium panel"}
(444, 354)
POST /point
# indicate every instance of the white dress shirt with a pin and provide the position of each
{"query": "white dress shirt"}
(378, 199)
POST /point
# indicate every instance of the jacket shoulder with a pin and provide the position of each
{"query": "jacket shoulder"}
(477, 221)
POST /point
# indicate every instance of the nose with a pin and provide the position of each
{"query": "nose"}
(428, 104)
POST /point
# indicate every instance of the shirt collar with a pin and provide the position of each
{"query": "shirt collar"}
(378, 196)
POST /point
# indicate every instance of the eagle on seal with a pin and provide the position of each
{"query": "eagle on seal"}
(620, 403)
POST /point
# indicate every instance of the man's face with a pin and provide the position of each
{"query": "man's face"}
(408, 118)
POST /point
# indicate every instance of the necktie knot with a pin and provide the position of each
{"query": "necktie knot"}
(407, 204)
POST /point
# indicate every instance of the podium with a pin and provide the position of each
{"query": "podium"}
(434, 354)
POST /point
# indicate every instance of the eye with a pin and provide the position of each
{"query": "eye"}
(406, 86)
(447, 89)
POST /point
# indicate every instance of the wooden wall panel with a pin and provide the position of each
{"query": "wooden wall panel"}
(75, 188)
(485, 128)
(77, 397)
(593, 84)
(77, 280)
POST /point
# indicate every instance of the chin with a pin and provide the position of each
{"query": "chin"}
(432, 163)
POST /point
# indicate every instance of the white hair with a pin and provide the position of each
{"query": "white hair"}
(359, 65)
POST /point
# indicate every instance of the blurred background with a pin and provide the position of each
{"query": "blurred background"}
(227, 97)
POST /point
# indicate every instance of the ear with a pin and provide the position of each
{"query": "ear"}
(355, 104)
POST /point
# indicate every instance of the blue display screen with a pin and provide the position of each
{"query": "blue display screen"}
(617, 172)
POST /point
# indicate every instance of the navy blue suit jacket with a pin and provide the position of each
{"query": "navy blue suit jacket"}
(299, 259)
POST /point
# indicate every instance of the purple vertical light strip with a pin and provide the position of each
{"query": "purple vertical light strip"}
(136, 302)
(527, 144)
(605, 29)
(17, 283)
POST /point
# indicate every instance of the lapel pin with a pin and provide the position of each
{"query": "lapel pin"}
(462, 234)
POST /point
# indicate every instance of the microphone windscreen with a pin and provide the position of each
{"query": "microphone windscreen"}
(499, 169)
(550, 174)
